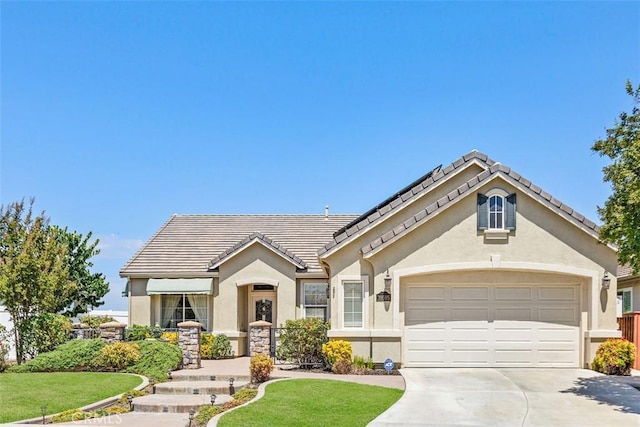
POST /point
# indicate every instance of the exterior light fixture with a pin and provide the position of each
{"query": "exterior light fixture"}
(130, 401)
(213, 399)
(231, 380)
(387, 280)
(169, 374)
(152, 381)
(43, 409)
(191, 414)
(606, 280)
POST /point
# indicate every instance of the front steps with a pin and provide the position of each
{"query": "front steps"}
(188, 392)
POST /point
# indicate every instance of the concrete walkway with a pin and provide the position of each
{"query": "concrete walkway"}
(514, 397)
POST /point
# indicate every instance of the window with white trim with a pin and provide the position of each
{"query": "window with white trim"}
(315, 300)
(625, 301)
(353, 304)
(496, 213)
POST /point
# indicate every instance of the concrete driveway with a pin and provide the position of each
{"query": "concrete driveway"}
(514, 397)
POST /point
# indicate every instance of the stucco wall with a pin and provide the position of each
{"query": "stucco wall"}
(254, 265)
(139, 303)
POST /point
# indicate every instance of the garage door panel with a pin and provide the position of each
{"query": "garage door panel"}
(471, 313)
(513, 334)
(470, 293)
(558, 314)
(514, 313)
(426, 293)
(461, 335)
(419, 316)
(468, 357)
(512, 327)
(513, 357)
(514, 293)
(557, 293)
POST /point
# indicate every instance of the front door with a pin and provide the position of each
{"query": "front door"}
(262, 306)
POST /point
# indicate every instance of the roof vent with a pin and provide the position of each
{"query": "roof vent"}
(326, 212)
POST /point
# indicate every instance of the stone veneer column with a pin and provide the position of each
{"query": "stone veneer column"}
(259, 338)
(112, 331)
(189, 342)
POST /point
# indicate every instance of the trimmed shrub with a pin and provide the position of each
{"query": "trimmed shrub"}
(138, 333)
(206, 345)
(221, 347)
(615, 357)
(336, 350)
(75, 355)
(341, 366)
(133, 393)
(301, 341)
(170, 337)
(156, 358)
(206, 413)
(95, 321)
(245, 395)
(119, 355)
(71, 415)
(260, 368)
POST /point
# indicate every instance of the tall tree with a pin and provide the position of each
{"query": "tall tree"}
(621, 212)
(90, 287)
(33, 274)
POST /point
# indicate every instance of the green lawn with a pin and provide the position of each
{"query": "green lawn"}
(309, 402)
(22, 395)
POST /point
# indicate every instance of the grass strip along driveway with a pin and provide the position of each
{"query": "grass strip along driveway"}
(310, 402)
(22, 395)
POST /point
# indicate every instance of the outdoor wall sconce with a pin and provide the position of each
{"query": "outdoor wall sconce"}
(213, 399)
(385, 296)
(387, 281)
(606, 281)
(152, 381)
(43, 409)
(130, 401)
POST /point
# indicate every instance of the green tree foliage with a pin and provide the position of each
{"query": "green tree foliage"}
(621, 212)
(33, 274)
(89, 287)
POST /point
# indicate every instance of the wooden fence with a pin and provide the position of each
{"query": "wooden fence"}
(629, 325)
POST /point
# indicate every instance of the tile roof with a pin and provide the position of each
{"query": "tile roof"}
(493, 170)
(190, 244)
(404, 197)
(624, 271)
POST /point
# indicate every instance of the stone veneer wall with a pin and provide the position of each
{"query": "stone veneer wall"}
(259, 338)
(189, 342)
(112, 331)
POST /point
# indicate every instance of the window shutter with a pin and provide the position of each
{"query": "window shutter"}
(510, 212)
(483, 212)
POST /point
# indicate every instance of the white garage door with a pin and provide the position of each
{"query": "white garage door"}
(492, 326)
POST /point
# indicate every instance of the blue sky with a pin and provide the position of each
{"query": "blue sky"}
(115, 115)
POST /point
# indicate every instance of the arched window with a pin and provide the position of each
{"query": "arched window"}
(496, 210)
(496, 213)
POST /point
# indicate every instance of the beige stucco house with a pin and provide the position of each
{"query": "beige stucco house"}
(470, 265)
